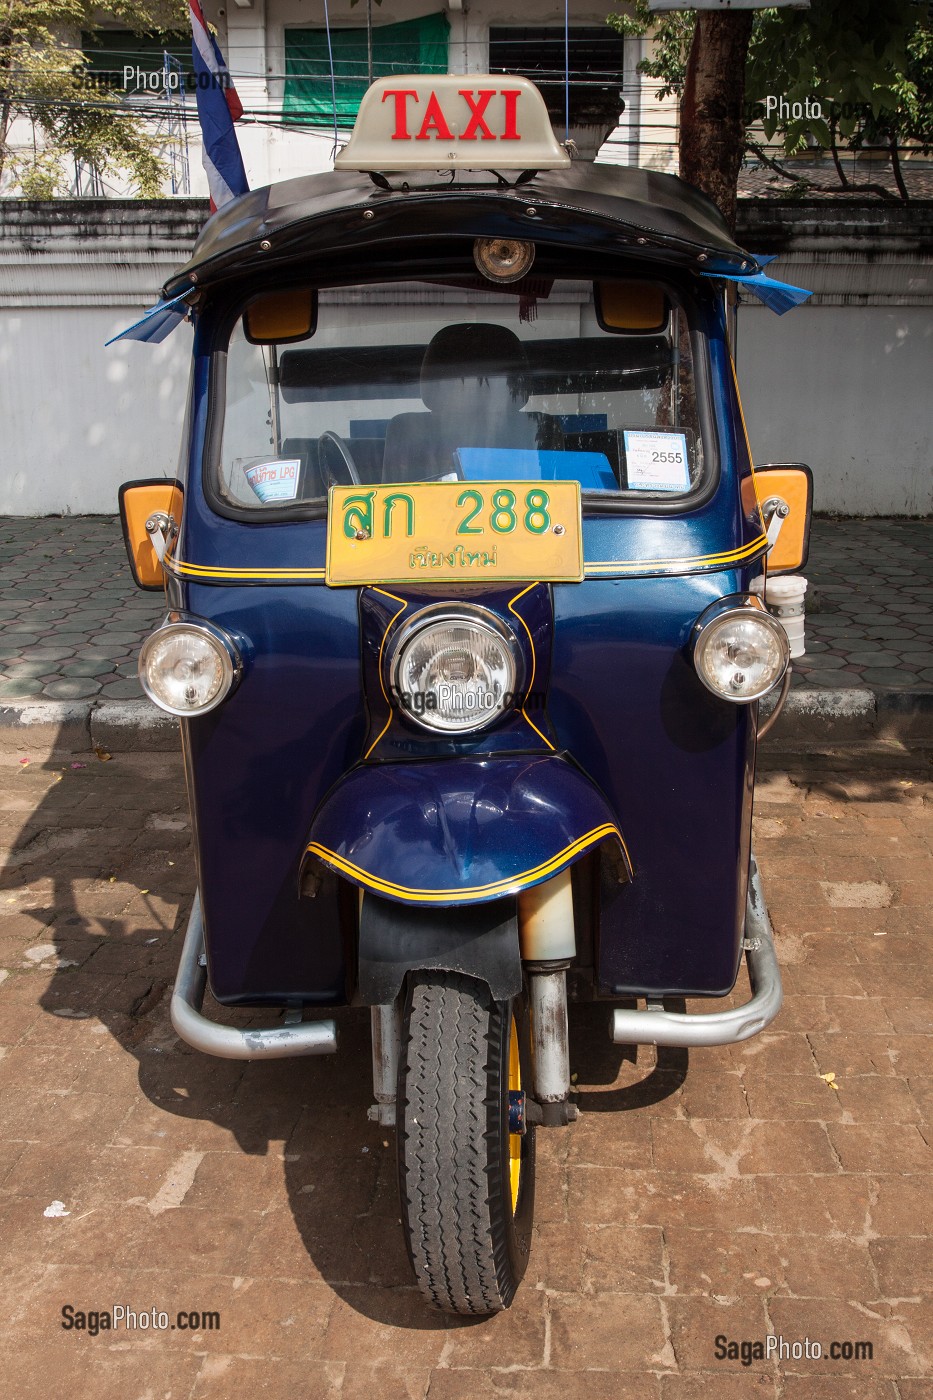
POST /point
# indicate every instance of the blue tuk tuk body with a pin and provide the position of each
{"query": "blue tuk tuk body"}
(673, 764)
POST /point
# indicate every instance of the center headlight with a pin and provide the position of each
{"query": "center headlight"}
(455, 669)
(741, 652)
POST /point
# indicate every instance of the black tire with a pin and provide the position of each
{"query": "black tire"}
(468, 1246)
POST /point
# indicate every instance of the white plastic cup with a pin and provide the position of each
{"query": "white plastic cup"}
(785, 599)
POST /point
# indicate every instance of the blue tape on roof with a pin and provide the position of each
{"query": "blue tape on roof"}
(156, 323)
(777, 296)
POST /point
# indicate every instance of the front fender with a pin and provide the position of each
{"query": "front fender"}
(460, 830)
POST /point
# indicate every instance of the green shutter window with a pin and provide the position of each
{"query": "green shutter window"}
(415, 46)
(133, 63)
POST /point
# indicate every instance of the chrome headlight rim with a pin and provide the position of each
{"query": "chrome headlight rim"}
(739, 606)
(225, 648)
(473, 615)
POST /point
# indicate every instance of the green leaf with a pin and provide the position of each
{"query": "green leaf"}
(820, 130)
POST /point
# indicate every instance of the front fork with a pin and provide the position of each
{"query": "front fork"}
(548, 945)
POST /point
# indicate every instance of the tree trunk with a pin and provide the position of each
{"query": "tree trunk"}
(712, 124)
(896, 167)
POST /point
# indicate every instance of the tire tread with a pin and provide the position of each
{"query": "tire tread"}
(450, 1097)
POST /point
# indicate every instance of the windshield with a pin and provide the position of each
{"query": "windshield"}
(445, 381)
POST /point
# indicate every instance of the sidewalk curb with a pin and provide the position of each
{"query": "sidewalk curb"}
(123, 726)
(818, 713)
(70, 726)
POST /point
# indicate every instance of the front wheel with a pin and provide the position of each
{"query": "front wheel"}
(466, 1181)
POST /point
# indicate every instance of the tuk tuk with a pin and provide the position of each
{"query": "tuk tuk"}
(464, 635)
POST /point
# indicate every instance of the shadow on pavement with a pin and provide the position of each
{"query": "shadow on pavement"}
(597, 1060)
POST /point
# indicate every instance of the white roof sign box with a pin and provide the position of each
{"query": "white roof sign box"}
(435, 121)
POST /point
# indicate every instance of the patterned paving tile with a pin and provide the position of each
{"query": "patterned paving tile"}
(869, 614)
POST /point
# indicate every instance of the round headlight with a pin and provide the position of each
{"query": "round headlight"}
(187, 668)
(741, 653)
(455, 671)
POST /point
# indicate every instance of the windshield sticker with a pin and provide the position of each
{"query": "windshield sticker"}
(656, 461)
(274, 481)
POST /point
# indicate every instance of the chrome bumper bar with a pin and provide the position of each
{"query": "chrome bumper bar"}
(657, 1027)
(229, 1042)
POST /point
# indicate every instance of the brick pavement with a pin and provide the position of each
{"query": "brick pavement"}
(782, 1186)
(71, 621)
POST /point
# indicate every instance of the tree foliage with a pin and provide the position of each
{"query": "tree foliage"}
(864, 66)
(672, 35)
(42, 79)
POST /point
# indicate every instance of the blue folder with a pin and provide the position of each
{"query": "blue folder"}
(591, 469)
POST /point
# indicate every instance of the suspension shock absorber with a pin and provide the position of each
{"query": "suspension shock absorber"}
(548, 946)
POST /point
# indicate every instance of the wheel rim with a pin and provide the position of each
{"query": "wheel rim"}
(515, 1139)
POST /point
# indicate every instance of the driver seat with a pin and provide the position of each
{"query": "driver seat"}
(474, 384)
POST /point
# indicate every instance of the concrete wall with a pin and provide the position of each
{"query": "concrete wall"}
(76, 420)
(843, 383)
(847, 390)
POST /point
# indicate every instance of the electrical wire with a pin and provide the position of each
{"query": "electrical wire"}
(566, 70)
(333, 84)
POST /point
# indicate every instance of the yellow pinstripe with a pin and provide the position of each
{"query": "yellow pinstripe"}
(460, 893)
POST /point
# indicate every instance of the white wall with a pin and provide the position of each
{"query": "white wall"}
(77, 420)
(848, 390)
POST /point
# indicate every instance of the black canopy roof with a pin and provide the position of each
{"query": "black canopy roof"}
(606, 208)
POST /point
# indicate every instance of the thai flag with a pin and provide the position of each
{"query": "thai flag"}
(218, 108)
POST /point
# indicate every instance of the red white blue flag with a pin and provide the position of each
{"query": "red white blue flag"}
(218, 108)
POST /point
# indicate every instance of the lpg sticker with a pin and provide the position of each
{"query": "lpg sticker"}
(274, 481)
(656, 461)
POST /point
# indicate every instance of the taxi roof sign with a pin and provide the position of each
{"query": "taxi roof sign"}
(472, 121)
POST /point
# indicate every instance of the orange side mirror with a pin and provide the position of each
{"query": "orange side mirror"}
(141, 501)
(632, 307)
(790, 485)
(279, 317)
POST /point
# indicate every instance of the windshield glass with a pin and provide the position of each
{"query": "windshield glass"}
(435, 381)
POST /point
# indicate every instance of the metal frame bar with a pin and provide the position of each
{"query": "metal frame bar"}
(655, 1027)
(650, 1027)
(229, 1042)
(774, 714)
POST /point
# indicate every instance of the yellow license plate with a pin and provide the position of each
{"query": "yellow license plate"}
(455, 532)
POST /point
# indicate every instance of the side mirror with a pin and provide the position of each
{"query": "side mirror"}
(631, 308)
(150, 512)
(279, 317)
(785, 497)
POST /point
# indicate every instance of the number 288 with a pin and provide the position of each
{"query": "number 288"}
(505, 512)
